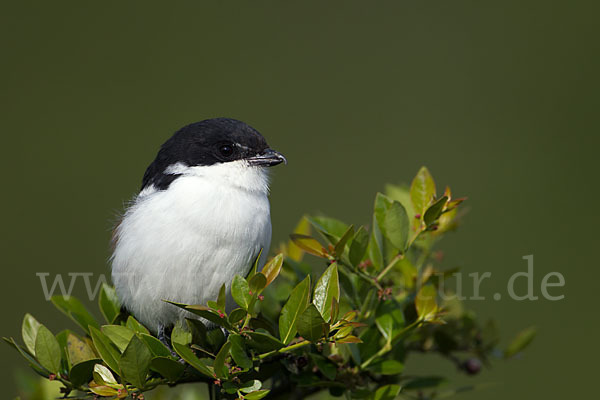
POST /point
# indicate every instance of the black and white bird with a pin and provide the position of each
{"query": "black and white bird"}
(201, 217)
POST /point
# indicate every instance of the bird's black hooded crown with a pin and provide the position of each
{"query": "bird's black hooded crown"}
(204, 143)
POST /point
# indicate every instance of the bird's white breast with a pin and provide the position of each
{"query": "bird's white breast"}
(183, 243)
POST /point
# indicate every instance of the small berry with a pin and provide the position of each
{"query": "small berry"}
(51, 377)
(472, 366)
(261, 297)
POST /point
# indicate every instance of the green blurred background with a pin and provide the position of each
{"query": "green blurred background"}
(498, 99)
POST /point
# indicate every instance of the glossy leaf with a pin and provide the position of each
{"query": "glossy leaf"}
(29, 331)
(309, 245)
(219, 364)
(256, 395)
(326, 289)
(272, 268)
(78, 351)
(157, 348)
(422, 190)
(388, 392)
(188, 355)
(389, 319)
(254, 269)
(311, 324)
(222, 298)
(73, 309)
(327, 368)
(135, 362)
(250, 386)
(110, 355)
(109, 303)
(180, 334)
(238, 352)
(82, 372)
(296, 304)
(397, 226)
(522, 340)
(103, 376)
(341, 244)
(119, 335)
(135, 326)
(47, 350)
(240, 290)
(167, 367)
(331, 228)
(426, 304)
(358, 248)
(237, 315)
(263, 342)
(387, 367)
(257, 283)
(435, 211)
(293, 251)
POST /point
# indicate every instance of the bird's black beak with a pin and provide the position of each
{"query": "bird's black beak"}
(267, 158)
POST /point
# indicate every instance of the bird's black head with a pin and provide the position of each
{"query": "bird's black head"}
(208, 142)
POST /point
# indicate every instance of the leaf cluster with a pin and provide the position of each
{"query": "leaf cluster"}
(344, 321)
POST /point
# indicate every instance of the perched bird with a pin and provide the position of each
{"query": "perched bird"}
(201, 217)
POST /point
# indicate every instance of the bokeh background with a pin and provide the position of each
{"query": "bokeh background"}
(498, 99)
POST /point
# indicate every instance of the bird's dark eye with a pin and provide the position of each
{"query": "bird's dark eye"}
(226, 150)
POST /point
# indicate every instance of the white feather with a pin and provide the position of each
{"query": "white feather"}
(183, 243)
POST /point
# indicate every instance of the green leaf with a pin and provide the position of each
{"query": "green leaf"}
(422, 190)
(109, 303)
(309, 245)
(189, 357)
(237, 315)
(135, 362)
(311, 324)
(341, 244)
(434, 211)
(424, 382)
(240, 290)
(32, 361)
(81, 373)
(103, 376)
(425, 303)
(254, 269)
(257, 284)
(47, 350)
(110, 355)
(210, 315)
(222, 298)
(119, 335)
(272, 268)
(29, 331)
(397, 226)
(359, 246)
(198, 331)
(180, 334)
(78, 351)
(389, 319)
(238, 352)
(263, 342)
(387, 367)
(219, 364)
(327, 368)
(293, 251)
(388, 392)
(331, 229)
(157, 348)
(167, 367)
(250, 386)
(73, 309)
(522, 340)
(256, 395)
(135, 326)
(296, 304)
(326, 289)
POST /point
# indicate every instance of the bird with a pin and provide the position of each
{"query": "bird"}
(202, 216)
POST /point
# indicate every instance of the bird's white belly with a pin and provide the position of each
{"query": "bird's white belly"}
(182, 244)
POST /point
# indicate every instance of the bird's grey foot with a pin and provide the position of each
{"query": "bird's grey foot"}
(164, 336)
